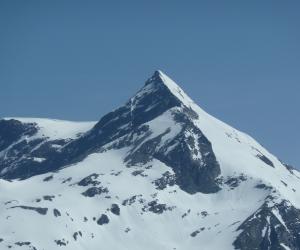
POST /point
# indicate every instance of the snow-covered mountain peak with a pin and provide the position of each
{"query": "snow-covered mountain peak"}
(160, 78)
(156, 173)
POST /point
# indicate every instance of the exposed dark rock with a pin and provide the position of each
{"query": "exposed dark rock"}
(185, 214)
(12, 130)
(138, 172)
(263, 186)
(116, 173)
(115, 209)
(190, 113)
(89, 180)
(103, 220)
(234, 182)
(144, 150)
(48, 178)
(61, 242)
(48, 197)
(130, 200)
(91, 192)
(56, 212)
(67, 180)
(76, 234)
(263, 230)
(192, 174)
(166, 180)
(39, 210)
(23, 243)
(204, 214)
(24, 158)
(195, 233)
(234, 223)
(155, 207)
(265, 160)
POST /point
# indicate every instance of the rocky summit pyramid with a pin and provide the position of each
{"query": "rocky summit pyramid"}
(156, 173)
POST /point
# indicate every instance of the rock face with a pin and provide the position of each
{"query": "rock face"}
(27, 150)
(271, 227)
(155, 173)
(103, 220)
(115, 209)
(13, 130)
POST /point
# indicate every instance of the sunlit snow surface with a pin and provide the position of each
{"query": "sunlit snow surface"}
(188, 221)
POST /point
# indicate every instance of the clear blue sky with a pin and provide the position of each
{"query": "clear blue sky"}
(77, 60)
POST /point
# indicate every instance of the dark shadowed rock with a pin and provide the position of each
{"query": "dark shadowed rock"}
(115, 209)
(131, 200)
(192, 174)
(103, 220)
(195, 233)
(61, 242)
(265, 160)
(263, 230)
(166, 180)
(48, 178)
(157, 208)
(48, 197)
(76, 234)
(23, 243)
(263, 186)
(56, 212)
(234, 181)
(139, 172)
(12, 130)
(40, 210)
(91, 192)
(89, 180)
(24, 158)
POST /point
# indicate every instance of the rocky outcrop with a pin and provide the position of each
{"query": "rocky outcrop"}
(275, 226)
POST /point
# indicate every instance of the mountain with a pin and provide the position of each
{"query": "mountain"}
(155, 173)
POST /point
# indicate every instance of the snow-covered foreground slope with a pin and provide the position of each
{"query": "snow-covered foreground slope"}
(156, 173)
